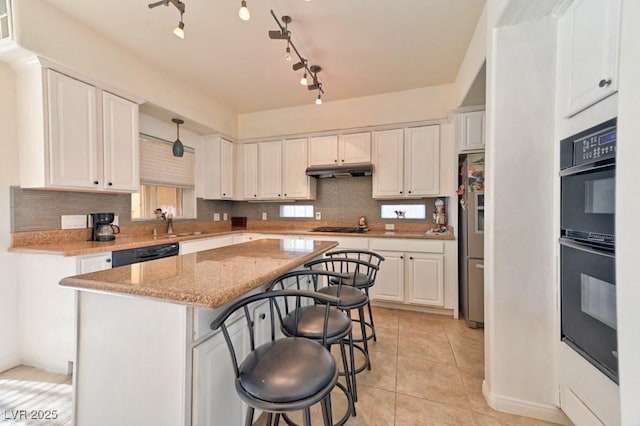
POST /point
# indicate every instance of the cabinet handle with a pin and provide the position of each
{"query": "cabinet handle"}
(401, 257)
(285, 195)
(409, 192)
(95, 182)
(604, 82)
(401, 192)
(263, 316)
(255, 195)
(224, 194)
(108, 261)
(278, 195)
(410, 257)
(110, 184)
(343, 160)
(335, 161)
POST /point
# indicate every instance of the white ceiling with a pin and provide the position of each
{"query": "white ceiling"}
(365, 47)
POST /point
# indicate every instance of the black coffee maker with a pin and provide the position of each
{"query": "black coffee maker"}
(103, 229)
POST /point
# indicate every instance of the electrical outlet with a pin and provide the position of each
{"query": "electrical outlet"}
(264, 215)
(73, 221)
(216, 217)
(225, 216)
(389, 226)
(318, 216)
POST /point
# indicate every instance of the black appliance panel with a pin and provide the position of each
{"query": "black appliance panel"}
(143, 254)
(588, 304)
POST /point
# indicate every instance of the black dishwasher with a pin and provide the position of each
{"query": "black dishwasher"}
(143, 254)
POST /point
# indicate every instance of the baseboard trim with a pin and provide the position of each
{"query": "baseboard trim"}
(413, 308)
(548, 413)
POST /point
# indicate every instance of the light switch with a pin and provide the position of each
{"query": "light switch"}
(225, 216)
(216, 217)
(264, 215)
(318, 216)
(389, 226)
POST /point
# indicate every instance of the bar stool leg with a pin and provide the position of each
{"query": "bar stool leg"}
(373, 327)
(348, 377)
(307, 416)
(248, 421)
(365, 344)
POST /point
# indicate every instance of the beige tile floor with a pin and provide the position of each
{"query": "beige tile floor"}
(426, 370)
(29, 396)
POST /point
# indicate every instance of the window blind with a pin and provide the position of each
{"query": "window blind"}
(158, 166)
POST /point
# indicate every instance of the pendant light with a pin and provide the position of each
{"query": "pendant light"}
(178, 148)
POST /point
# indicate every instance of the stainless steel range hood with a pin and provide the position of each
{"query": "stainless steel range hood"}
(340, 170)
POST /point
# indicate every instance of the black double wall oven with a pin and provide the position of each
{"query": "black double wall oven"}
(587, 245)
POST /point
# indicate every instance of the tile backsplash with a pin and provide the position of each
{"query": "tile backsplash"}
(339, 200)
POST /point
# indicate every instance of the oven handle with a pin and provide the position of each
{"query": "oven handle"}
(587, 168)
(569, 243)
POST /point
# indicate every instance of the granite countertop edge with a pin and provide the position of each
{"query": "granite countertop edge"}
(212, 299)
(123, 242)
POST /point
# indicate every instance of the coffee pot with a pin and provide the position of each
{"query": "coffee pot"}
(102, 227)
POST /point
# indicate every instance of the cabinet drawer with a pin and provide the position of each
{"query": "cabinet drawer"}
(419, 246)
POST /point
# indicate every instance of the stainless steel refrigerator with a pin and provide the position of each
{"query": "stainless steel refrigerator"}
(471, 238)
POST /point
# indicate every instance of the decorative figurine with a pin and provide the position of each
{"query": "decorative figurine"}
(362, 223)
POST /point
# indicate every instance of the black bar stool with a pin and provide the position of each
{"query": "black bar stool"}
(308, 322)
(283, 374)
(361, 281)
(351, 298)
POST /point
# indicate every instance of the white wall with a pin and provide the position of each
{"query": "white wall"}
(428, 103)
(627, 213)
(474, 58)
(520, 288)
(45, 31)
(9, 347)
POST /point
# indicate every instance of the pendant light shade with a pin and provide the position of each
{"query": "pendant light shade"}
(178, 148)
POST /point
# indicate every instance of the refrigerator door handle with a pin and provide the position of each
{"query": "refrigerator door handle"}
(480, 265)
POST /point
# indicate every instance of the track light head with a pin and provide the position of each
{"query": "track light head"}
(299, 65)
(179, 30)
(278, 35)
(244, 13)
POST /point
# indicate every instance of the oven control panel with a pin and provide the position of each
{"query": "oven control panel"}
(599, 146)
(589, 146)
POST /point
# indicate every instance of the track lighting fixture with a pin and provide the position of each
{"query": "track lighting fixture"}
(244, 13)
(179, 30)
(177, 148)
(285, 34)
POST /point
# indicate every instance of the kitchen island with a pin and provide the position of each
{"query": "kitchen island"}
(145, 351)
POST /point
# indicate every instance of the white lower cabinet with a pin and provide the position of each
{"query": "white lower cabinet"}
(215, 400)
(201, 244)
(412, 272)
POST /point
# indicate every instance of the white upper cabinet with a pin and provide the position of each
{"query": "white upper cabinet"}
(422, 161)
(74, 135)
(218, 173)
(388, 158)
(270, 169)
(588, 61)
(121, 143)
(406, 162)
(250, 171)
(354, 148)
(295, 183)
(469, 131)
(342, 149)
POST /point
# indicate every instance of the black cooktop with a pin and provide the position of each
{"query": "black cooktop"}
(345, 230)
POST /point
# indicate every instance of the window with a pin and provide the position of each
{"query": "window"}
(294, 210)
(403, 211)
(166, 182)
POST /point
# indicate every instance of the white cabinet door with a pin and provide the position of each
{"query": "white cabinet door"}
(387, 163)
(323, 150)
(120, 143)
(355, 148)
(426, 280)
(218, 173)
(73, 137)
(470, 131)
(270, 169)
(295, 183)
(589, 36)
(389, 284)
(422, 161)
(215, 400)
(226, 169)
(250, 171)
(98, 262)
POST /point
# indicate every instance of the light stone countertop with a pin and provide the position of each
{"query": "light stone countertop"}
(123, 242)
(209, 278)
